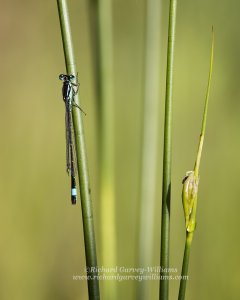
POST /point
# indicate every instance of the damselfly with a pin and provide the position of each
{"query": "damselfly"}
(69, 90)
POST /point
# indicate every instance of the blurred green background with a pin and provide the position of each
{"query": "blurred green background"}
(41, 233)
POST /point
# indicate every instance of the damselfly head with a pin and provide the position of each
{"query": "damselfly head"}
(65, 77)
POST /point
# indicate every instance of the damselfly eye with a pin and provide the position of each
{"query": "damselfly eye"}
(62, 76)
(71, 77)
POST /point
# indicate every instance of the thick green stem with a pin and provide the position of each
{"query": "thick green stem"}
(184, 274)
(87, 213)
(106, 134)
(101, 27)
(149, 141)
(166, 188)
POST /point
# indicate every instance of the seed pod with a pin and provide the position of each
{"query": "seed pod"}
(189, 200)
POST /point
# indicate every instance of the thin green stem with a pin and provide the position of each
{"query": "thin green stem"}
(204, 121)
(87, 213)
(190, 190)
(167, 154)
(184, 274)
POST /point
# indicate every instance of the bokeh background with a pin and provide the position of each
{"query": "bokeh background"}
(41, 244)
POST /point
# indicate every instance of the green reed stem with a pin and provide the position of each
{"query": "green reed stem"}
(87, 213)
(167, 153)
(204, 121)
(184, 274)
(102, 41)
(190, 191)
(149, 141)
(101, 28)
